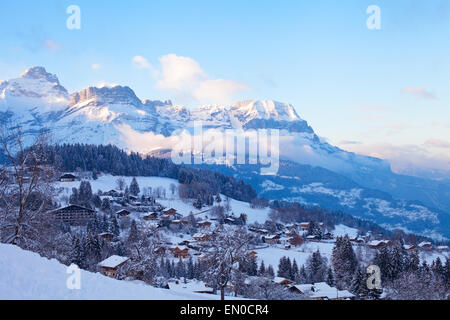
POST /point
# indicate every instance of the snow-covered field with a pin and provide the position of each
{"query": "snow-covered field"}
(25, 275)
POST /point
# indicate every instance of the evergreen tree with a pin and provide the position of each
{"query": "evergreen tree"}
(106, 205)
(85, 193)
(133, 235)
(302, 277)
(330, 277)
(358, 284)
(262, 269)
(190, 272)
(134, 187)
(252, 267)
(198, 203)
(294, 270)
(77, 255)
(270, 271)
(115, 229)
(316, 267)
(344, 262)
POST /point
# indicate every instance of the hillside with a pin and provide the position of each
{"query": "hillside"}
(27, 276)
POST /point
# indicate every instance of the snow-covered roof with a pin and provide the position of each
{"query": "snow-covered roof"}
(113, 261)
(323, 290)
(199, 235)
(377, 242)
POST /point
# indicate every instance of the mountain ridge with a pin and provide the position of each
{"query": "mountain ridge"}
(115, 115)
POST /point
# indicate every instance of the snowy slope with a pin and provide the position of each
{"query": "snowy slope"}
(26, 275)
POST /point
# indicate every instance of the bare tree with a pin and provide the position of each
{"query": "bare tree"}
(120, 182)
(228, 247)
(26, 189)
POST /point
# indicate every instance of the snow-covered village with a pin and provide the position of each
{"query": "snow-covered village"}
(166, 238)
(224, 158)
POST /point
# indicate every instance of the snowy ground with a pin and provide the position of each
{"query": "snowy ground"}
(26, 275)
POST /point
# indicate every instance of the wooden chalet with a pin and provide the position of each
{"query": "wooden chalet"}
(151, 216)
(204, 224)
(110, 266)
(180, 252)
(123, 213)
(272, 239)
(378, 244)
(304, 226)
(201, 237)
(282, 281)
(409, 247)
(321, 291)
(68, 177)
(425, 245)
(73, 214)
(106, 236)
(170, 212)
(296, 240)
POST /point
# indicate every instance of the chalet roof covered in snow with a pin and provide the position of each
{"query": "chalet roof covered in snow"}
(323, 290)
(113, 261)
(71, 207)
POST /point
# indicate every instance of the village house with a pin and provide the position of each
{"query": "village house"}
(73, 214)
(321, 291)
(272, 239)
(106, 236)
(296, 240)
(151, 217)
(180, 251)
(109, 267)
(304, 226)
(160, 251)
(425, 245)
(357, 239)
(201, 237)
(112, 193)
(378, 244)
(123, 213)
(282, 281)
(442, 248)
(170, 212)
(409, 247)
(204, 224)
(68, 177)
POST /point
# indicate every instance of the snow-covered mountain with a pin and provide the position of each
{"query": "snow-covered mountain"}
(115, 115)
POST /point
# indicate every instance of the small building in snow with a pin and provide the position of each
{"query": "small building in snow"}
(73, 215)
(123, 213)
(68, 177)
(111, 265)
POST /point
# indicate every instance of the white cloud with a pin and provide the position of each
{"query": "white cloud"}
(184, 79)
(420, 92)
(436, 143)
(405, 157)
(96, 66)
(219, 90)
(106, 85)
(141, 63)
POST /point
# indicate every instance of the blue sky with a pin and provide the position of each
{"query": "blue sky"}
(379, 92)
